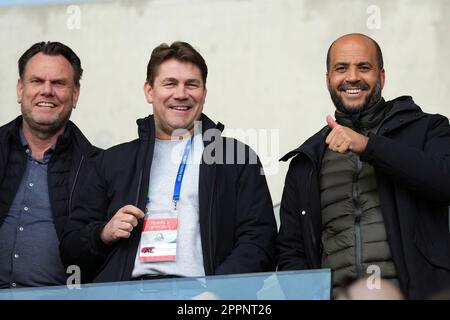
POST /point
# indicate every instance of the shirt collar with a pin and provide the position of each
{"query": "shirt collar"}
(47, 155)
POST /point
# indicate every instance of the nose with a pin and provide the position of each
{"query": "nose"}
(180, 92)
(47, 89)
(352, 75)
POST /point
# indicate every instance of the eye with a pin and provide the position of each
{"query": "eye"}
(59, 83)
(192, 85)
(340, 69)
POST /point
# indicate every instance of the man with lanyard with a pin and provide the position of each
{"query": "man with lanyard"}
(43, 159)
(181, 200)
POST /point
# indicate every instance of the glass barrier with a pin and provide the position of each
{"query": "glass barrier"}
(284, 285)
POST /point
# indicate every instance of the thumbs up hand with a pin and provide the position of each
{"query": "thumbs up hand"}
(331, 122)
(342, 139)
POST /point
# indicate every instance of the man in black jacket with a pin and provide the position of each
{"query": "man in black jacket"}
(43, 158)
(181, 200)
(368, 195)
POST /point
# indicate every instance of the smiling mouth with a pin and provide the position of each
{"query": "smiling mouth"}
(46, 105)
(353, 91)
(353, 88)
(180, 108)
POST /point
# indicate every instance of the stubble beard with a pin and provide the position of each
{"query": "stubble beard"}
(372, 98)
(45, 130)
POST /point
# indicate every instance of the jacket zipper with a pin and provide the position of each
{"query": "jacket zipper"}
(309, 219)
(211, 226)
(136, 204)
(211, 222)
(138, 192)
(74, 183)
(358, 213)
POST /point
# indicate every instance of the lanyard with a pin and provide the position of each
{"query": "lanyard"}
(180, 174)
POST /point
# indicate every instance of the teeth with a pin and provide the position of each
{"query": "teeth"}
(46, 104)
(353, 91)
(180, 108)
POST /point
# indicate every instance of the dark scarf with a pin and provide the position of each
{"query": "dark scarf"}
(365, 120)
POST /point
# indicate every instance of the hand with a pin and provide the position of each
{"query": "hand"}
(342, 139)
(206, 295)
(121, 224)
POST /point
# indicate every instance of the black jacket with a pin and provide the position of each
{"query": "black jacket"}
(67, 169)
(237, 223)
(411, 157)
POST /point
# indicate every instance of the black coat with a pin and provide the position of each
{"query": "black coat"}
(237, 223)
(67, 169)
(411, 157)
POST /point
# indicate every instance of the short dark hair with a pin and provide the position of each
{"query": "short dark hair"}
(178, 50)
(52, 49)
(379, 54)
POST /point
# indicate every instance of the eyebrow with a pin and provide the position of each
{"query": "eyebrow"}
(169, 80)
(51, 80)
(196, 81)
(187, 81)
(363, 63)
(346, 64)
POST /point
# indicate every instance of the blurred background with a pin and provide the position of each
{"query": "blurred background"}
(266, 60)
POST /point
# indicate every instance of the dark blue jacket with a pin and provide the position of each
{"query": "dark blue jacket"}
(411, 157)
(237, 224)
(67, 168)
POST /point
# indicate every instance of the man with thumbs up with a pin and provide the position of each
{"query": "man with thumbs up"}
(368, 195)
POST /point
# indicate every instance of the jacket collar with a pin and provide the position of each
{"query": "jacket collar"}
(146, 127)
(405, 110)
(313, 147)
(71, 135)
(74, 134)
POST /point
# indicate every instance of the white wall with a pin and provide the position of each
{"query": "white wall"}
(266, 60)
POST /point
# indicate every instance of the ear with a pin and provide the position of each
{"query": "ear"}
(204, 95)
(19, 89)
(76, 94)
(148, 92)
(382, 77)
(203, 100)
(327, 80)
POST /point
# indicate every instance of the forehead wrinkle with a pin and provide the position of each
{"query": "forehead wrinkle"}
(45, 67)
(353, 57)
(46, 77)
